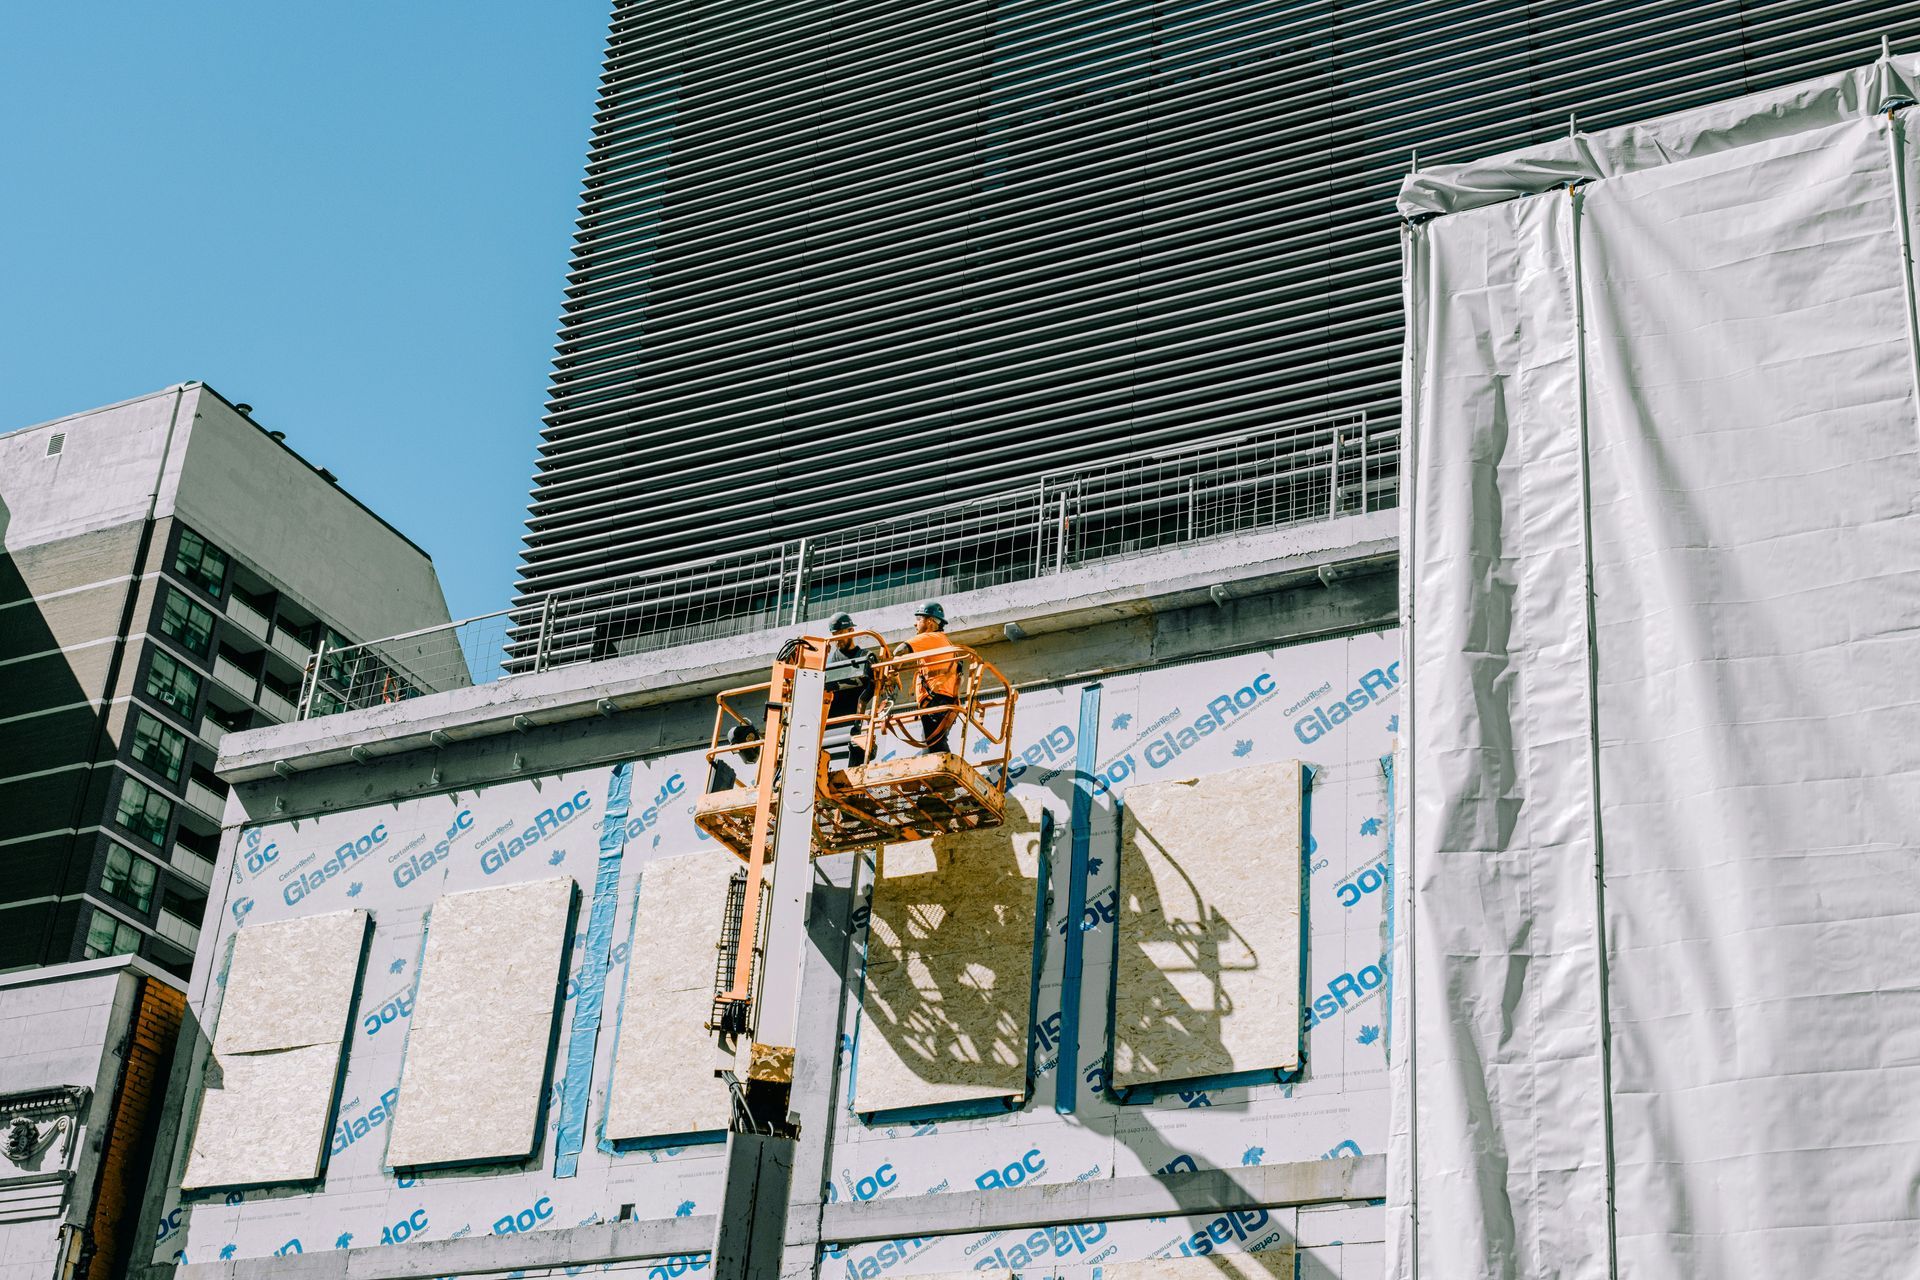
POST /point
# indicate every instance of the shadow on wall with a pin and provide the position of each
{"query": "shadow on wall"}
(950, 954)
(51, 720)
(1171, 972)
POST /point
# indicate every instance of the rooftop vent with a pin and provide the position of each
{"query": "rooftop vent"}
(56, 442)
(243, 408)
(279, 436)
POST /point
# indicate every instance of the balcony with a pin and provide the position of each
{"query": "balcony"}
(191, 865)
(211, 733)
(177, 931)
(288, 646)
(279, 708)
(206, 799)
(228, 673)
(248, 618)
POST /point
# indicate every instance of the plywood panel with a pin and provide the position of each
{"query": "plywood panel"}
(1207, 975)
(663, 1081)
(269, 1086)
(950, 967)
(472, 1086)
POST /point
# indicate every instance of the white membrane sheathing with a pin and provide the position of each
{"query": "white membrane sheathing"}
(1272, 1263)
(663, 1081)
(473, 1083)
(1663, 934)
(276, 1052)
(949, 967)
(1207, 977)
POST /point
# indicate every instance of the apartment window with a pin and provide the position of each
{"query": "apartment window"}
(183, 620)
(158, 747)
(173, 684)
(144, 811)
(129, 877)
(107, 936)
(198, 560)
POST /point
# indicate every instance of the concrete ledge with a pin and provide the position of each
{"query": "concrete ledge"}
(1273, 1186)
(1131, 586)
(571, 1247)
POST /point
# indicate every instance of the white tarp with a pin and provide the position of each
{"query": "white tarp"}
(1662, 941)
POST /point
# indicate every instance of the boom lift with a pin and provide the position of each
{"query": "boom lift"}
(808, 797)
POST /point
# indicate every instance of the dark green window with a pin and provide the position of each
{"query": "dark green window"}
(198, 560)
(107, 936)
(173, 683)
(183, 620)
(161, 749)
(129, 877)
(144, 811)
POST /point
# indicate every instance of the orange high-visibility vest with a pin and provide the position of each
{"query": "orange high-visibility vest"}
(939, 677)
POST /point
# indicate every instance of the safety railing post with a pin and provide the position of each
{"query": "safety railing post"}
(799, 582)
(311, 686)
(543, 635)
(1060, 536)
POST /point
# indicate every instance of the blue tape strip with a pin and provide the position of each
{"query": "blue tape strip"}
(1067, 1075)
(1386, 993)
(587, 1003)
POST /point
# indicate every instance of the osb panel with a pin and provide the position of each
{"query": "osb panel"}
(276, 1051)
(1207, 979)
(950, 967)
(472, 1083)
(291, 983)
(1268, 1264)
(663, 1081)
(263, 1118)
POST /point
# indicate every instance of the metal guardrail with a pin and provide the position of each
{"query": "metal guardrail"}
(1276, 476)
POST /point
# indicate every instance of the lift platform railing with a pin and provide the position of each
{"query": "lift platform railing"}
(879, 783)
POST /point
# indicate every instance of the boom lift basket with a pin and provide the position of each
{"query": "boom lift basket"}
(910, 794)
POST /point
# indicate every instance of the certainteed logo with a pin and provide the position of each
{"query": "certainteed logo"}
(409, 866)
(546, 824)
(1374, 687)
(339, 860)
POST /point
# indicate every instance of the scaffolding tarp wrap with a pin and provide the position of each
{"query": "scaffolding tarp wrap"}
(1661, 948)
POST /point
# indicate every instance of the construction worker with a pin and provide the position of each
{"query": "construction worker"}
(936, 683)
(849, 684)
(722, 776)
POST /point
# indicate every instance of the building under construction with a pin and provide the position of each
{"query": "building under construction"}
(1514, 883)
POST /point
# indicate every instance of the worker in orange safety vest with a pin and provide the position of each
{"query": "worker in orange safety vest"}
(936, 682)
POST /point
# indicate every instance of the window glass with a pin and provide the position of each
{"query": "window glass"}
(107, 936)
(129, 878)
(144, 811)
(173, 683)
(187, 622)
(198, 560)
(161, 749)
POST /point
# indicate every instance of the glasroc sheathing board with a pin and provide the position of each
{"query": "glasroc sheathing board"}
(1207, 964)
(950, 968)
(473, 1083)
(276, 1052)
(663, 1082)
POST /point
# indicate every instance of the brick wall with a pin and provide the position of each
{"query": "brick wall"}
(129, 1138)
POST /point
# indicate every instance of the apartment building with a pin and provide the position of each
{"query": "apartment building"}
(169, 569)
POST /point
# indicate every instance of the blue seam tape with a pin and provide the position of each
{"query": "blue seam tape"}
(1067, 1074)
(601, 1140)
(593, 978)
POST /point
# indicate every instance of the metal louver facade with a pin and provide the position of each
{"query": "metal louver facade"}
(840, 262)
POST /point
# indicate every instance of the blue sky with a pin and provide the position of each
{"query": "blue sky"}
(353, 216)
